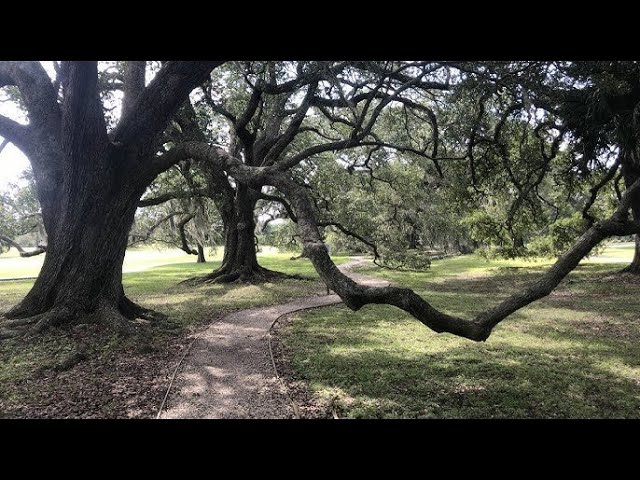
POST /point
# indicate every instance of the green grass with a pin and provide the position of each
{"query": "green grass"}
(136, 259)
(620, 251)
(157, 288)
(574, 354)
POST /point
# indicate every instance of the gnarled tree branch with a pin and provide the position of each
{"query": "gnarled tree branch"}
(184, 245)
(23, 253)
(159, 101)
(134, 76)
(596, 188)
(165, 197)
(37, 93)
(355, 295)
(13, 132)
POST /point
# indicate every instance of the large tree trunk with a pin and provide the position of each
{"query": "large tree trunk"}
(81, 278)
(240, 262)
(89, 193)
(631, 172)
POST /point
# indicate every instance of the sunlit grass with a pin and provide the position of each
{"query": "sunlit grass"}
(621, 251)
(573, 354)
(135, 260)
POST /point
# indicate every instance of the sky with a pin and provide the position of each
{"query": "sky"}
(12, 164)
(12, 161)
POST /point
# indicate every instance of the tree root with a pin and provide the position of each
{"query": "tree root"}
(21, 311)
(631, 269)
(113, 319)
(132, 310)
(19, 322)
(251, 276)
(6, 334)
(51, 318)
(119, 318)
(40, 322)
(70, 361)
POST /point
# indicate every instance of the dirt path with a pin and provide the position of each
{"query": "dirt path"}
(228, 372)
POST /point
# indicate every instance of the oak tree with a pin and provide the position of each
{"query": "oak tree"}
(89, 179)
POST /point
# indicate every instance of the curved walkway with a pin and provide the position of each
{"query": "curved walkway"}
(228, 372)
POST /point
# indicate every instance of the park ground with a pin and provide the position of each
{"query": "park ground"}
(573, 354)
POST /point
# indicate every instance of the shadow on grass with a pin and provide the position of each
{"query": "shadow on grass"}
(574, 354)
(474, 381)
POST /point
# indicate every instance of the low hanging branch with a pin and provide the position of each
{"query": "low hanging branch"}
(153, 228)
(165, 197)
(356, 296)
(595, 189)
(23, 253)
(184, 244)
(350, 233)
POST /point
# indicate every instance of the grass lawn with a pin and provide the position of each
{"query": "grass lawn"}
(135, 260)
(23, 362)
(574, 354)
(617, 251)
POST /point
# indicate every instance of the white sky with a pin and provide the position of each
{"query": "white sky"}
(12, 164)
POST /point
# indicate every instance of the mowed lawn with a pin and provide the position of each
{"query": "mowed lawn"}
(135, 260)
(574, 354)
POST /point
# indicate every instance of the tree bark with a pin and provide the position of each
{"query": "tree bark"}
(201, 258)
(240, 262)
(81, 277)
(634, 266)
(631, 173)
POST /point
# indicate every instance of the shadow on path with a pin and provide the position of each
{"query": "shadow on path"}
(228, 372)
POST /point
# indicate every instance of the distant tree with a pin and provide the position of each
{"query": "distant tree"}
(186, 218)
(20, 218)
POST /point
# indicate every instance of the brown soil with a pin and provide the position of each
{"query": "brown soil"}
(122, 384)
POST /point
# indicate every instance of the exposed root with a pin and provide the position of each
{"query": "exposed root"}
(39, 321)
(20, 322)
(631, 269)
(21, 311)
(221, 277)
(116, 321)
(51, 318)
(151, 315)
(118, 318)
(132, 310)
(70, 361)
(252, 276)
(5, 334)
